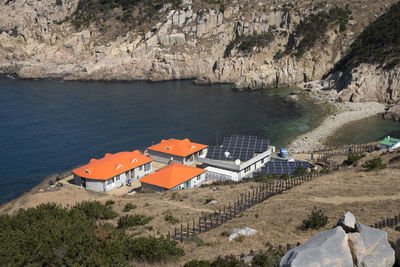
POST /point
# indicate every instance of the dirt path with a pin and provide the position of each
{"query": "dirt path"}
(339, 200)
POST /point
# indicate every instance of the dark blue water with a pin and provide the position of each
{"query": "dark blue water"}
(50, 127)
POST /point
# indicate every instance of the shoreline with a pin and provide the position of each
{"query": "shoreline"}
(347, 112)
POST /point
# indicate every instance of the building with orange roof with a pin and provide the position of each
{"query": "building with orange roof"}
(174, 150)
(174, 177)
(112, 171)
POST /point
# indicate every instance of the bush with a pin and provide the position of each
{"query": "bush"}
(240, 238)
(51, 235)
(95, 210)
(168, 217)
(352, 159)
(227, 261)
(225, 234)
(397, 228)
(128, 221)
(374, 164)
(196, 240)
(129, 207)
(197, 263)
(315, 220)
(265, 178)
(154, 249)
(379, 42)
(271, 258)
(300, 170)
(59, 2)
(110, 202)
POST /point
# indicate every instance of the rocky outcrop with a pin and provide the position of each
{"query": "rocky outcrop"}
(393, 113)
(39, 41)
(360, 246)
(367, 82)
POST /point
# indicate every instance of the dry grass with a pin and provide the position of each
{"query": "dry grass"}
(370, 196)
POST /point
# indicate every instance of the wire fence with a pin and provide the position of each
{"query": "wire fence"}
(242, 203)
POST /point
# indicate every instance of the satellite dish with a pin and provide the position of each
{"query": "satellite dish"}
(227, 154)
(237, 162)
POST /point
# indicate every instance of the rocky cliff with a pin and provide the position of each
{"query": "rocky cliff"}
(39, 39)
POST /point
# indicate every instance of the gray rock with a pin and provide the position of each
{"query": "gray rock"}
(327, 248)
(347, 222)
(370, 247)
(291, 99)
(244, 231)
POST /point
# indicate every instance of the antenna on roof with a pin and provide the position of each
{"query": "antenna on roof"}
(227, 154)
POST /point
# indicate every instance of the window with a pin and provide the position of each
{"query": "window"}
(262, 161)
(109, 181)
(247, 169)
(147, 167)
(140, 168)
(117, 178)
(198, 177)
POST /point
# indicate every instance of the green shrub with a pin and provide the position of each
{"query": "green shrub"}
(315, 220)
(197, 263)
(227, 261)
(110, 202)
(168, 217)
(269, 258)
(240, 238)
(225, 234)
(196, 240)
(128, 221)
(59, 2)
(129, 207)
(397, 228)
(51, 235)
(352, 159)
(95, 210)
(374, 164)
(314, 27)
(379, 42)
(300, 170)
(154, 249)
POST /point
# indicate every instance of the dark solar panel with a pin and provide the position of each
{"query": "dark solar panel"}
(279, 167)
(239, 147)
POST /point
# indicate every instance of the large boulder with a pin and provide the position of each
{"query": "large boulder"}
(370, 247)
(347, 222)
(328, 248)
(348, 244)
(244, 231)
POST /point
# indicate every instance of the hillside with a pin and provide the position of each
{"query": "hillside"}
(371, 196)
(254, 44)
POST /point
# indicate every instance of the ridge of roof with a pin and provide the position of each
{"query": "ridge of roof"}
(111, 165)
(177, 147)
(172, 175)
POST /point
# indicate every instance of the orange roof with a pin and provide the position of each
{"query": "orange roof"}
(177, 147)
(111, 165)
(172, 175)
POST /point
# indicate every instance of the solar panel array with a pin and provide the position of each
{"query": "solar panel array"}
(280, 167)
(239, 147)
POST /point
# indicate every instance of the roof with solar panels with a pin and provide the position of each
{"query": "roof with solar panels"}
(280, 166)
(238, 147)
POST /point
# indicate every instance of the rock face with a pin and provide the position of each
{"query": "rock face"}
(370, 247)
(38, 40)
(364, 247)
(393, 113)
(328, 248)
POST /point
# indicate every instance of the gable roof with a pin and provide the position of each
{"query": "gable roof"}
(172, 175)
(177, 147)
(111, 165)
(389, 141)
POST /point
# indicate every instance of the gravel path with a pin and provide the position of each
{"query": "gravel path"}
(347, 112)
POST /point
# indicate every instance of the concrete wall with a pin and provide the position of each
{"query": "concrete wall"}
(166, 158)
(114, 182)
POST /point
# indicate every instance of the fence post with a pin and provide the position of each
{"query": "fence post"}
(205, 222)
(194, 226)
(169, 235)
(181, 233)
(187, 230)
(199, 225)
(175, 233)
